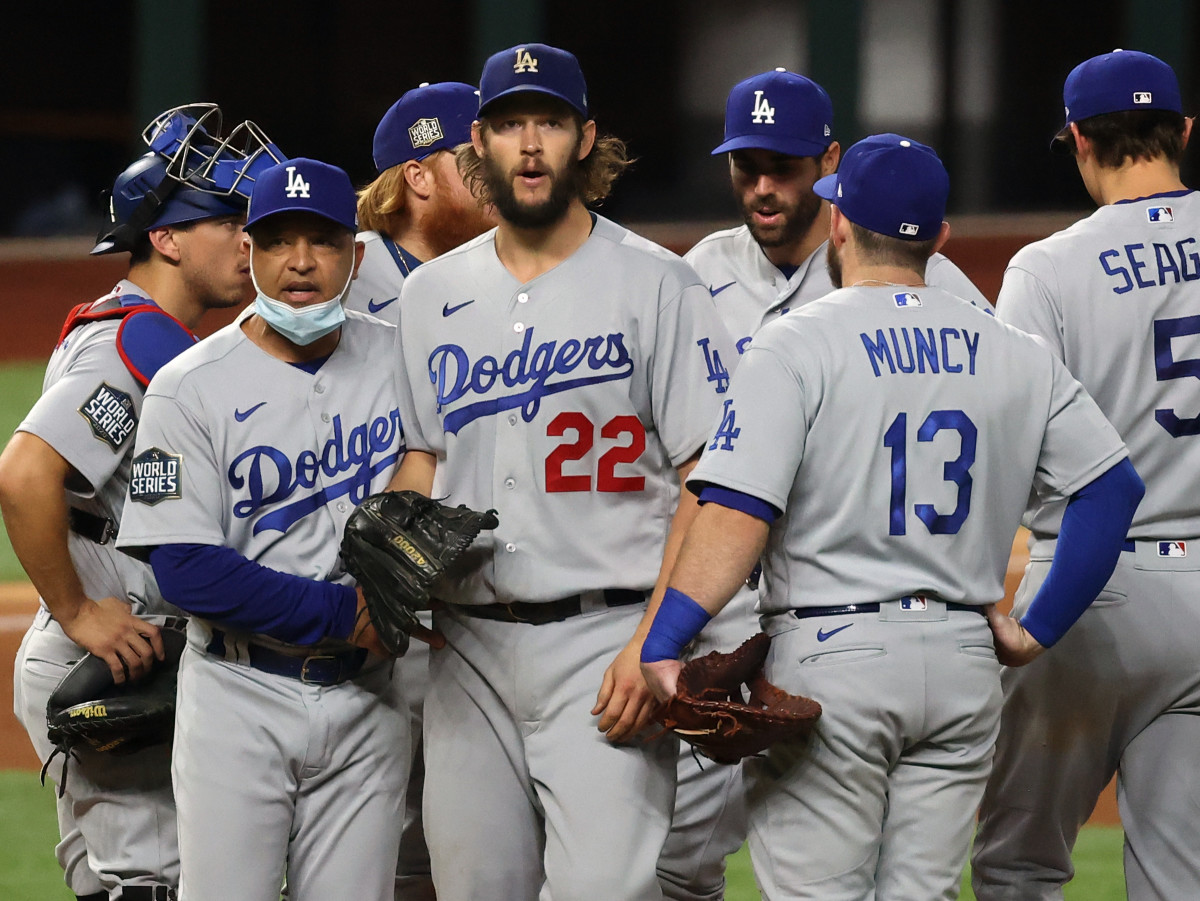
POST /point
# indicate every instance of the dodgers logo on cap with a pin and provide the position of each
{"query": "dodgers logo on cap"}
(427, 119)
(890, 185)
(537, 68)
(304, 185)
(778, 111)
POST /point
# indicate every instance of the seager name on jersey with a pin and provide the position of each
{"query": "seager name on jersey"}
(906, 350)
(270, 476)
(1142, 266)
(543, 368)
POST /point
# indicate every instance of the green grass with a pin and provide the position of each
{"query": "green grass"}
(20, 386)
(29, 872)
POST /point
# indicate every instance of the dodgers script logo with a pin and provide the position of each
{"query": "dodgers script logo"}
(269, 476)
(544, 369)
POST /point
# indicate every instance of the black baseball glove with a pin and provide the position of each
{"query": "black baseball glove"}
(710, 711)
(396, 545)
(89, 710)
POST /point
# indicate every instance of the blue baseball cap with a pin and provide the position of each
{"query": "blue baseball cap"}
(890, 185)
(426, 119)
(304, 185)
(1119, 81)
(779, 111)
(534, 67)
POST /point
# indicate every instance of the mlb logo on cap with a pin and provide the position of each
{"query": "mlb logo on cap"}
(1143, 97)
(304, 185)
(906, 299)
(1172, 549)
(1160, 214)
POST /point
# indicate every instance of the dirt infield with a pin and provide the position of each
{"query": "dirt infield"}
(44, 279)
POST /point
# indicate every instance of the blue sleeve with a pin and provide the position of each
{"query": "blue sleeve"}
(1093, 530)
(219, 584)
(739, 500)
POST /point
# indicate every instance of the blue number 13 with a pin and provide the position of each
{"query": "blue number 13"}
(957, 471)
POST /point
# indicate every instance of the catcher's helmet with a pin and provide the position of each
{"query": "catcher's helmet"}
(189, 174)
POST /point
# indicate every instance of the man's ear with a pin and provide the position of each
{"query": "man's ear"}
(163, 240)
(417, 179)
(830, 158)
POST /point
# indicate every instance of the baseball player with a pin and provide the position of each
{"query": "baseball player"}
(565, 372)
(291, 741)
(1112, 297)
(418, 207)
(879, 444)
(779, 139)
(63, 478)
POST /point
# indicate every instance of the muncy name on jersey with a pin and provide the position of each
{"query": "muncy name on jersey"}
(270, 476)
(455, 375)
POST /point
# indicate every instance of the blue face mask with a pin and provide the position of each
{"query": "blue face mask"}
(300, 325)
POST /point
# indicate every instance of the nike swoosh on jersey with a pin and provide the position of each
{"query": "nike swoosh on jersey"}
(448, 310)
(376, 307)
(822, 635)
(243, 415)
(715, 291)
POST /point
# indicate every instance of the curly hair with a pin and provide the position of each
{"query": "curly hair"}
(594, 175)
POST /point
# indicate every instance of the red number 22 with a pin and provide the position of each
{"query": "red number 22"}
(606, 477)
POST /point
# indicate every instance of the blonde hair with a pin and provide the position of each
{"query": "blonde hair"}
(382, 205)
(594, 176)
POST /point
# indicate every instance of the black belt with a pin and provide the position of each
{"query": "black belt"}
(313, 669)
(846, 609)
(95, 528)
(538, 614)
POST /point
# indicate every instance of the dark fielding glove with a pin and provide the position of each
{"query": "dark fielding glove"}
(396, 545)
(710, 712)
(88, 709)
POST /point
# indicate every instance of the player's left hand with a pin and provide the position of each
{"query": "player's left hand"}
(364, 634)
(1014, 645)
(625, 704)
(662, 677)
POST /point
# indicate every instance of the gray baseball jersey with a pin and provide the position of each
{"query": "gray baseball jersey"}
(241, 449)
(749, 290)
(376, 289)
(88, 412)
(948, 408)
(565, 403)
(1115, 297)
(559, 412)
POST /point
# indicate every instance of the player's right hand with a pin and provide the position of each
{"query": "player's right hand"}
(108, 629)
(662, 677)
(1014, 645)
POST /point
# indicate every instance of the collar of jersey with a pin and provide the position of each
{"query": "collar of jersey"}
(1182, 193)
(405, 261)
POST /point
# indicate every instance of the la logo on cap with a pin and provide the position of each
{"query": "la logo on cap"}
(525, 61)
(763, 113)
(296, 185)
(424, 132)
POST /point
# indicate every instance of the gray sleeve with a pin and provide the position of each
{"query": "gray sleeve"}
(690, 372)
(415, 392)
(90, 415)
(941, 272)
(754, 449)
(175, 483)
(1079, 443)
(1026, 301)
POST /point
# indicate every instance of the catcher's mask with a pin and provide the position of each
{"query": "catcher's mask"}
(189, 174)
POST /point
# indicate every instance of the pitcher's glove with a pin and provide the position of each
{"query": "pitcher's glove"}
(396, 544)
(89, 710)
(710, 712)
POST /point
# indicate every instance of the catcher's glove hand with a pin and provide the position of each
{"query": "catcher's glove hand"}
(88, 709)
(396, 544)
(710, 712)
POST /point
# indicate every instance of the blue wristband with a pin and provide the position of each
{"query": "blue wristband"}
(678, 621)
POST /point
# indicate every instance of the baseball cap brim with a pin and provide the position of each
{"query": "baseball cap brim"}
(298, 208)
(532, 89)
(826, 188)
(786, 146)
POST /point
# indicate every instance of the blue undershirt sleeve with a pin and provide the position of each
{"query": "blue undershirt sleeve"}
(739, 500)
(219, 584)
(1093, 530)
